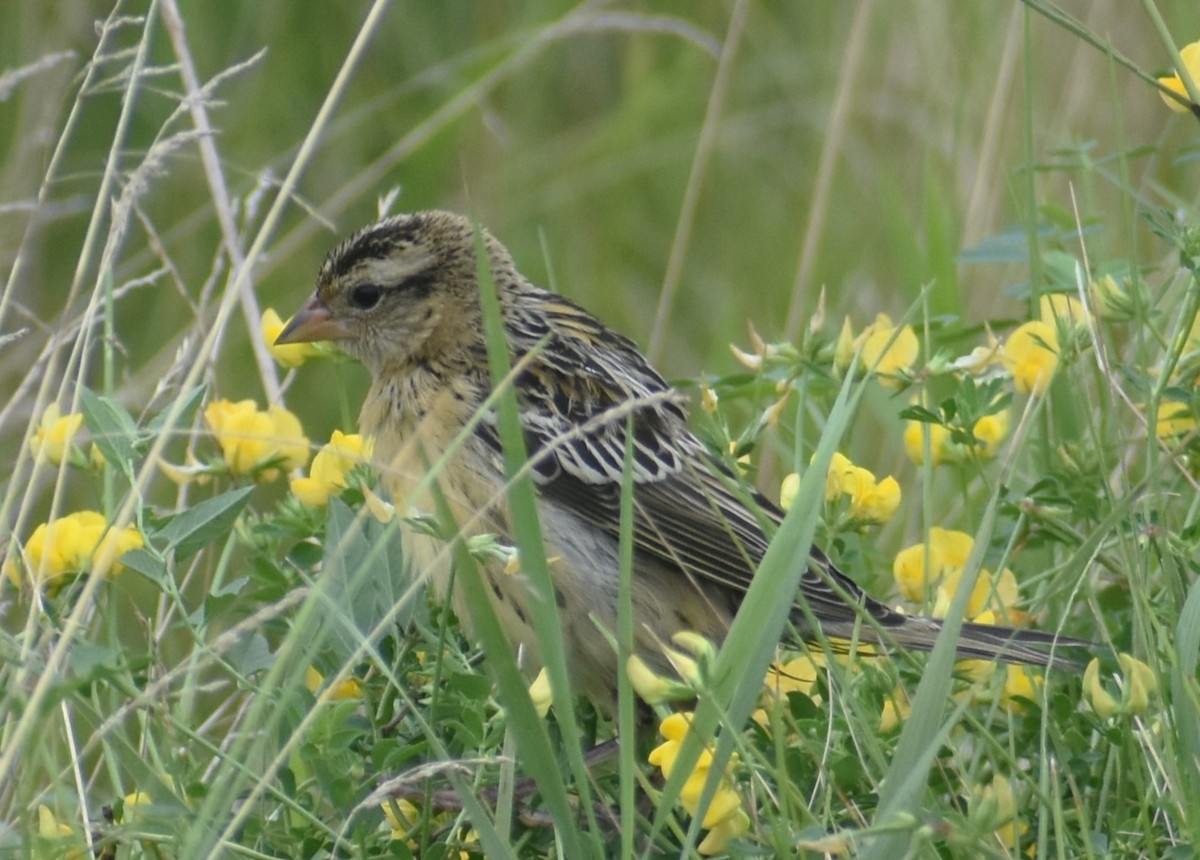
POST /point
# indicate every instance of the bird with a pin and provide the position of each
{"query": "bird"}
(402, 295)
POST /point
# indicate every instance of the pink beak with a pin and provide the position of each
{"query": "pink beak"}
(315, 321)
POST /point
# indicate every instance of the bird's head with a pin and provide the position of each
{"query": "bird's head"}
(397, 292)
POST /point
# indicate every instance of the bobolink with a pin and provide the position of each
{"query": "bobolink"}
(402, 296)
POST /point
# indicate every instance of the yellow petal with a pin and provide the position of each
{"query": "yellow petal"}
(541, 694)
(887, 350)
(650, 688)
(1031, 356)
(1060, 309)
(730, 827)
(1190, 54)
(787, 490)
(290, 354)
(914, 442)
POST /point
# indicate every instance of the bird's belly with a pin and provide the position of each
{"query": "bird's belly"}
(584, 567)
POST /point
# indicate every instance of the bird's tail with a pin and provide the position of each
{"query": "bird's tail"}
(986, 642)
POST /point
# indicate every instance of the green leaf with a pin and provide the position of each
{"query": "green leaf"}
(252, 655)
(204, 523)
(919, 413)
(113, 429)
(190, 403)
(147, 563)
(363, 574)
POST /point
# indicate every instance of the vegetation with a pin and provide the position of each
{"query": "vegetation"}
(954, 246)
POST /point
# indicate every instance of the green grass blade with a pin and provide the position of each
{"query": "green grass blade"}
(531, 736)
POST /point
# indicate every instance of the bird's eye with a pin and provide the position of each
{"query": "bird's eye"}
(365, 297)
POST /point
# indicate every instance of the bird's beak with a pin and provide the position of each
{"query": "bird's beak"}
(314, 321)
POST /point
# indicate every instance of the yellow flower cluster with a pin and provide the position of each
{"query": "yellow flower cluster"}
(797, 675)
(1062, 311)
(51, 442)
(74, 544)
(56, 832)
(351, 688)
(654, 689)
(288, 355)
(1190, 54)
(403, 816)
(935, 568)
(869, 501)
(1030, 355)
(1137, 684)
(254, 442)
(994, 807)
(327, 475)
(887, 351)
(725, 818)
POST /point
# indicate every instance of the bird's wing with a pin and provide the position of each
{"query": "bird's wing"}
(579, 391)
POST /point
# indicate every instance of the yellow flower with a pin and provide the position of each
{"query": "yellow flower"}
(914, 442)
(884, 358)
(402, 816)
(896, 708)
(70, 545)
(351, 688)
(53, 830)
(290, 354)
(990, 594)
(922, 566)
(981, 358)
(541, 694)
(650, 687)
(1137, 684)
(843, 350)
(915, 569)
(382, 510)
(327, 475)
(994, 807)
(1110, 299)
(724, 815)
(51, 442)
(837, 479)
(1019, 683)
(1061, 310)
(788, 489)
(730, 827)
(689, 668)
(798, 675)
(1190, 55)
(250, 438)
(989, 431)
(1031, 356)
(748, 360)
(1174, 419)
(871, 501)
(134, 802)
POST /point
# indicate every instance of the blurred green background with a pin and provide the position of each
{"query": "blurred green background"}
(571, 131)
